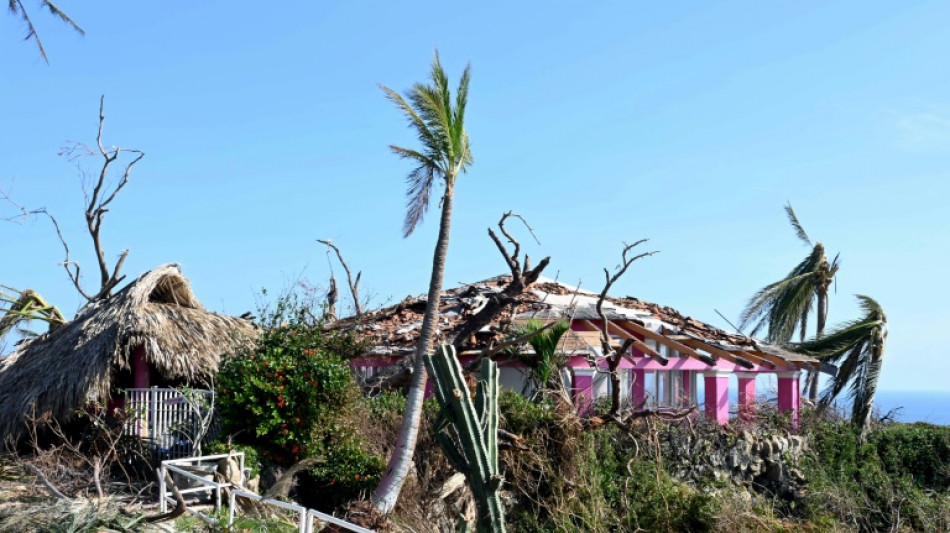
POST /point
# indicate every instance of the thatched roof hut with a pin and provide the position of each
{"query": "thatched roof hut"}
(156, 316)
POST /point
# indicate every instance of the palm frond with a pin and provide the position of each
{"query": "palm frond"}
(445, 150)
(459, 137)
(426, 136)
(799, 230)
(59, 13)
(546, 361)
(420, 182)
(16, 7)
(31, 30)
(429, 103)
(782, 306)
(860, 343)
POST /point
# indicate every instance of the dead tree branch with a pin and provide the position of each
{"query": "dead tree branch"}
(353, 283)
(522, 276)
(22, 213)
(97, 205)
(613, 357)
(41, 477)
(332, 297)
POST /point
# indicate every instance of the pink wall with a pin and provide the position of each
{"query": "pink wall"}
(140, 378)
(638, 388)
(717, 396)
(746, 395)
(789, 399)
(582, 389)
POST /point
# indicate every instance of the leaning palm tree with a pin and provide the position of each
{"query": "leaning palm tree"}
(17, 9)
(444, 155)
(784, 306)
(858, 349)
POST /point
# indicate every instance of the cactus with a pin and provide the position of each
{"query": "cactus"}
(468, 431)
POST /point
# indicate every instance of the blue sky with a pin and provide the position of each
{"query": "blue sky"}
(690, 123)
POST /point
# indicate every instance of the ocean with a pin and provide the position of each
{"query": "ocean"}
(915, 406)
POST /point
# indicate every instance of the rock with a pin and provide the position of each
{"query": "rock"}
(773, 471)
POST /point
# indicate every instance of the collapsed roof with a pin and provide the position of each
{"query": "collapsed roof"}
(394, 330)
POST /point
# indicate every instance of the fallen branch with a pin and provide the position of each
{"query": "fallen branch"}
(45, 482)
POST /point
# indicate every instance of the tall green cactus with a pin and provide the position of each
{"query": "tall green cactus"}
(468, 432)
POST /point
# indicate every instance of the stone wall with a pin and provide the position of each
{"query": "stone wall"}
(754, 459)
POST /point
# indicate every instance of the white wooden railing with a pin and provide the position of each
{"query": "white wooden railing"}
(186, 467)
(172, 420)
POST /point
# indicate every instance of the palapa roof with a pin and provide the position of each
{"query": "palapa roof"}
(394, 330)
(77, 362)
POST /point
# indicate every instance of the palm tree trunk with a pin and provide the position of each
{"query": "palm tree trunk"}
(822, 318)
(386, 494)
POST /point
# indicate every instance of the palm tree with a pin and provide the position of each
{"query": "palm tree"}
(785, 305)
(444, 155)
(858, 349)
(546, 363)
(18, 307)
(16, 8)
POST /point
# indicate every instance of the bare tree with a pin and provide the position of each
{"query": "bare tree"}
(522, 276)
(613, 356)
(354, 283)
(98, 198)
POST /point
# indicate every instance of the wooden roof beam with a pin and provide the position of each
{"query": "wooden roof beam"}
(669, 343)
(774, 359)
(637, 343)
(732, 358)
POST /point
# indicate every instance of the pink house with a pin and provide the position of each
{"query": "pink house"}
(675, 361)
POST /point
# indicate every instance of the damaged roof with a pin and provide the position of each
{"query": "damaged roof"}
(394, 330)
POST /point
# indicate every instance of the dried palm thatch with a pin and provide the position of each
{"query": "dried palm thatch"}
(77, 363)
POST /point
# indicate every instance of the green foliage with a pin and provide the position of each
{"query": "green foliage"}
(386, 405)
(857, 347)
(347, 472)
(921, 451)
(546, 363)
(785, 305)
(877, 482)
(577, 481)
(440, 128)
(287, 392)
(252, 457)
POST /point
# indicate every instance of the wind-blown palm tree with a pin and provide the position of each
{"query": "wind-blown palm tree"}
(16, 8)
(858, 349)
(784, 306)
(444, 155)
(18, 307)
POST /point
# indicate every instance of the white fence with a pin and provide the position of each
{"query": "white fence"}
(307, 521)
(172, 420)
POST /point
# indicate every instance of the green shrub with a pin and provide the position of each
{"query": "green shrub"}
(252, 457)
(386, 405)
(287, 391)
(865, 484)
(572, 480)
(292, 396)
(347, 472)
(922, 451)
